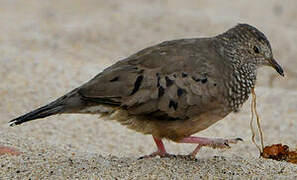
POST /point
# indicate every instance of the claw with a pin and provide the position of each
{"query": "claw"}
(189, 156)
(226, 144)
(239, 139)
(157, 153)
(234, 141)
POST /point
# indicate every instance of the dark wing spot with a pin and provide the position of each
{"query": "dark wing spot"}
(173, 104)
(158, 79)
(180, 92)
(137, 84)
(161, 91)
(169, 82)
(114, 79)
(215, 84)
(195, 79)
(204, 80)
(184, 75)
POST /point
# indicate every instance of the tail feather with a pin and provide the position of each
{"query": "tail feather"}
(64, 104)
(72, 102)
(42, 112)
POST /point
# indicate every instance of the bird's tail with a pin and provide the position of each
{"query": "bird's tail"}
(61, 105)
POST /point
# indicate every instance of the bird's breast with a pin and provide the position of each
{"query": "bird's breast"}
(239, 87)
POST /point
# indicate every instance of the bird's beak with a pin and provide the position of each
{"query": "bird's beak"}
(276, 66)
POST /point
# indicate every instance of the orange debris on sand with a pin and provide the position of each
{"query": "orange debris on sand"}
(279, 152)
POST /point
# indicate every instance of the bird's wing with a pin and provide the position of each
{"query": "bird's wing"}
(171, 80)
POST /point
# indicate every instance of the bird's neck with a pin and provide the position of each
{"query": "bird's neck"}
(243, 76)
(243, 80)
(230, 49)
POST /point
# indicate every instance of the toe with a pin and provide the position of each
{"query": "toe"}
(149, 156)
(239, 139)
(161, 155)
(187, 157)
(220, 144)
(234, 141)
(191, 156)
(167, 155)
(226, 144)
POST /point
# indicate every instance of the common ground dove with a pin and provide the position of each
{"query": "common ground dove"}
(174, 89)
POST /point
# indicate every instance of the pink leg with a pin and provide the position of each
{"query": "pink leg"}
(211, 142)
(160, 152)
(160, 146)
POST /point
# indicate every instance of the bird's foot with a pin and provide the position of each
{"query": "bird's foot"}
(157, 153)
(219, 142)
(210, 142)
(160, 152)
(187, 156)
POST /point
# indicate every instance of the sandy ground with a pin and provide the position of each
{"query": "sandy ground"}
(48, 48)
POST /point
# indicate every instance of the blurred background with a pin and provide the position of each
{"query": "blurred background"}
(85, 36)
(48, 47)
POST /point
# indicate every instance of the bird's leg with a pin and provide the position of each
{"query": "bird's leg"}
(211, 142)
(161, 150)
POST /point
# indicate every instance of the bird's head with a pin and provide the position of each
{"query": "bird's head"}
(250, 46)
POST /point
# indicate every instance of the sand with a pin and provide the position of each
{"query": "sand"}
(50, 47)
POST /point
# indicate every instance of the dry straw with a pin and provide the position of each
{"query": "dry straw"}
(254, 111)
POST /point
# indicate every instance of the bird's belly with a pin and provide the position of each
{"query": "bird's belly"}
(179, 129)
(170, 129)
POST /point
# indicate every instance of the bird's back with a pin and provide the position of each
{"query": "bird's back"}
(176, 79)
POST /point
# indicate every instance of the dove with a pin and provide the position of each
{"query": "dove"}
(174, 89)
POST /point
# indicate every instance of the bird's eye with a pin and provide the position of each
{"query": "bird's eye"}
(256, 50)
